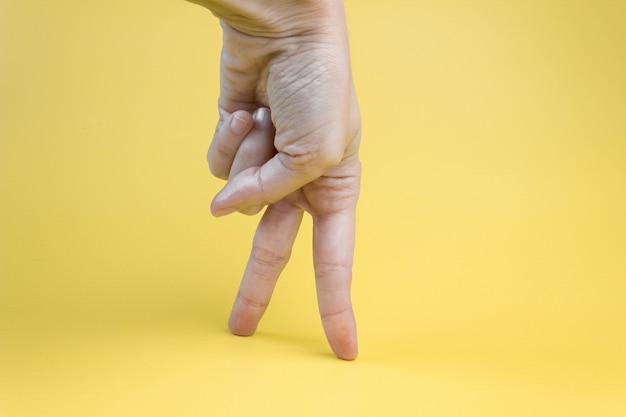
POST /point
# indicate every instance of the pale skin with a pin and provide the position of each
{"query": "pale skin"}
(292, 57)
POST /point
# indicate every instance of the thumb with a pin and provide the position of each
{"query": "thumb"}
(278, 177)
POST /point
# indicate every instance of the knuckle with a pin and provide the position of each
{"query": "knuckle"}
(329, 157)
(223, 151)
(267, 259)
(313, 160)
(252, 302)
(330, 270)
(336, 313)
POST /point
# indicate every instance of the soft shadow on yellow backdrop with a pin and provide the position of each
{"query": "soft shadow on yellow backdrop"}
(490, 272)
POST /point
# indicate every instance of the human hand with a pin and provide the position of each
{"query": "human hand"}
(297, 64)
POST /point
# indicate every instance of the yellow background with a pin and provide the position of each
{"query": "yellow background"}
(490, 271)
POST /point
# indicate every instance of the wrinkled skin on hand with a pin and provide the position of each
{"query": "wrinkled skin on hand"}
(305, 158)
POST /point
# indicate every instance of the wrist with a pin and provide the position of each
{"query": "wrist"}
(277, 18)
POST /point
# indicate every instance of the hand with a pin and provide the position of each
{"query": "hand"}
(297, 64)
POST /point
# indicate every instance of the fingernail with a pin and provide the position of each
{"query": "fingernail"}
(262, 116)
(238, 125)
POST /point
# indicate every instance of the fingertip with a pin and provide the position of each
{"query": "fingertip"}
(341, 334)
(239, 330)
(240, 323)
(349, 356)
(345, 348)
(218, 209)
(221, 206)
(239, 194)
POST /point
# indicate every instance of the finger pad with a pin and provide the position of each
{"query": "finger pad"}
(342, 337)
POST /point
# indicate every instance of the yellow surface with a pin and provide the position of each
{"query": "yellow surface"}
(490, 272)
